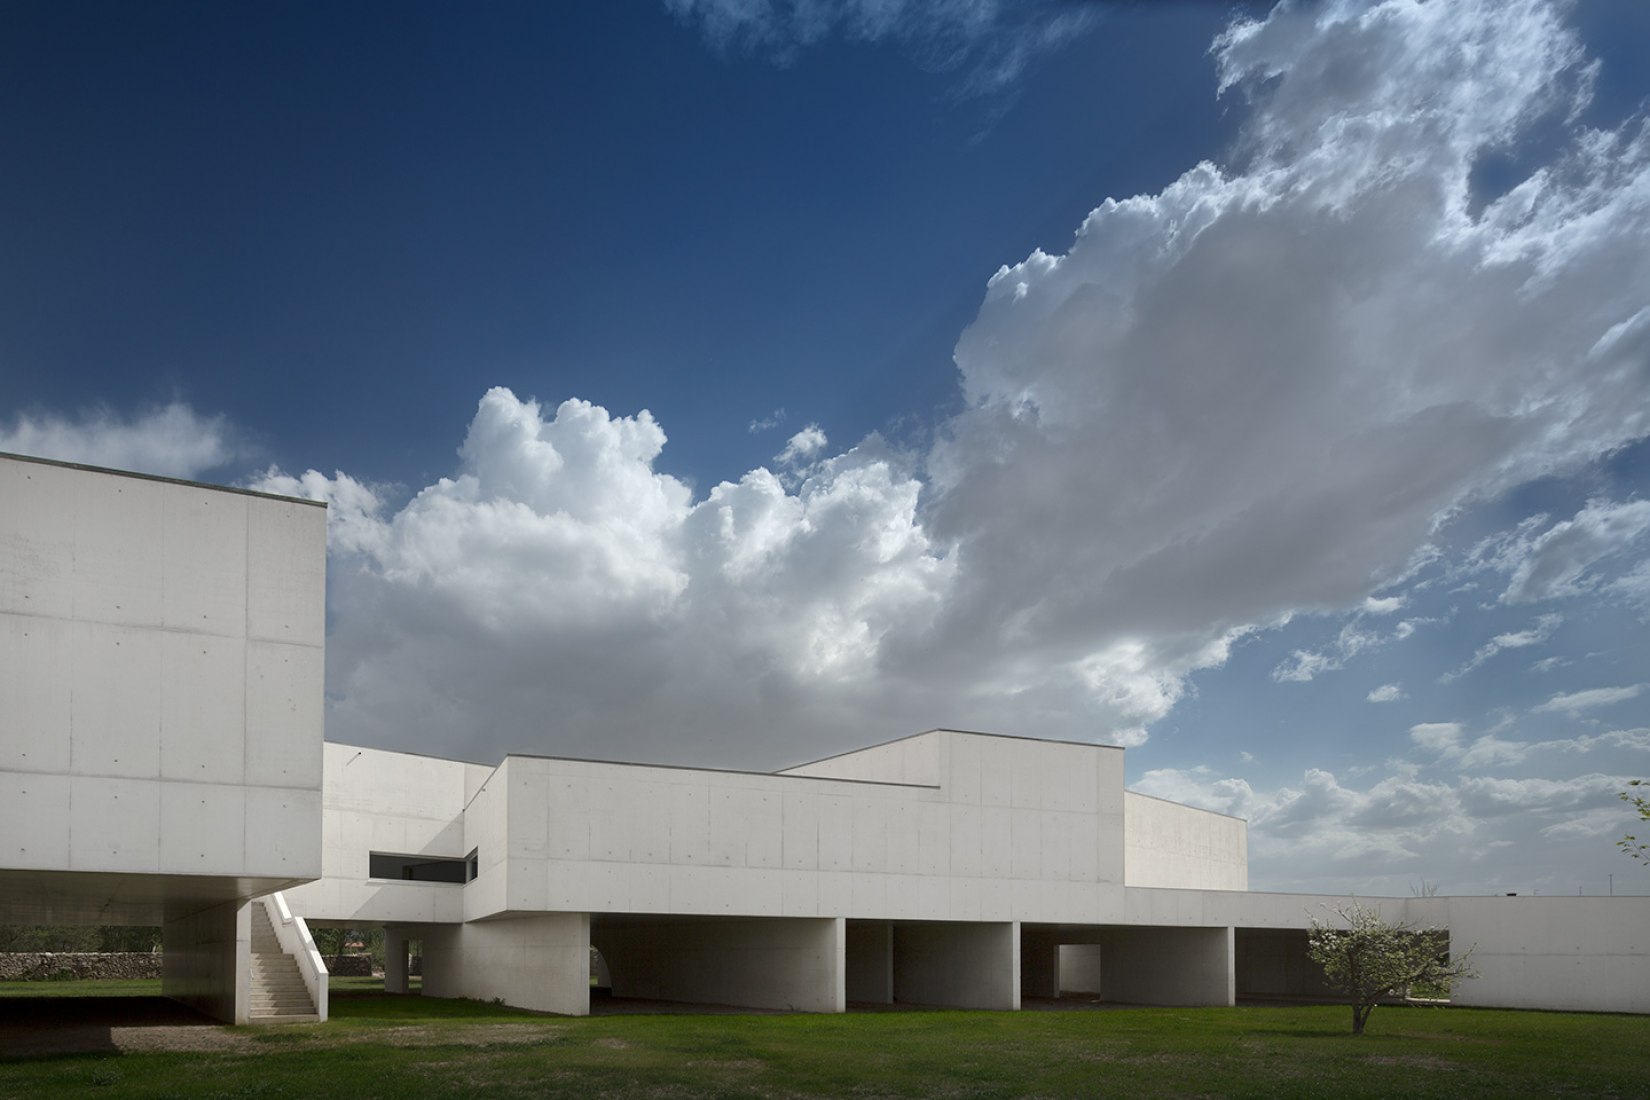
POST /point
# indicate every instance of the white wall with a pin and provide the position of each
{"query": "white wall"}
(910, 760)
(1080, 968)
(1590, 954)
(164, 646)
(539, 962)
(1018, 828)
(392, 802)
(1167, 844)
(206, 954)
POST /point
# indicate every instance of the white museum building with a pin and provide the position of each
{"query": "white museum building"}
(163, 762)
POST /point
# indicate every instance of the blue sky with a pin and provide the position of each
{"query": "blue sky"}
(738, 383)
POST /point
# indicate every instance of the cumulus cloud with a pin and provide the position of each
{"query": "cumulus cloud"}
(802, 447)
(558, 591)
(171, 440)
(1253, 394)
(1387, 693)
(1257, 391)
(989, 41)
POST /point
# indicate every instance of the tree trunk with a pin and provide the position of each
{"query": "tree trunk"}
(1359, 1015)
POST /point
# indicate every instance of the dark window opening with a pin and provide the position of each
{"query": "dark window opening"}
(419, 868)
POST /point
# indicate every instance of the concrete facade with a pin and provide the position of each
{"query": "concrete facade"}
(162, 762)
(949, 868)
(160, 709)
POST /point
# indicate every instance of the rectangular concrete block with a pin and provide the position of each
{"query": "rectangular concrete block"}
(115, 716)
(114, 824)
(283, 832)
(283, 714)
(36, 540)
(286, 573)
(36, 656)
(203, 561)
(202, 828)
(800, 831)
(202, 708)
(34, 820)
(118, 550)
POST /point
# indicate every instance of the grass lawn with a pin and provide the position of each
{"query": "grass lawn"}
(386, 1046)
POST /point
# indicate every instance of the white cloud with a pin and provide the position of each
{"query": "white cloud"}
(1535, 634)
(802, 447)
(991, 42)
(1634, 586)
(1385, 605)
(1471, 834)
(766, 423)
(1436, 736)
(559, 590)
(171, 440)
(1445, 740)
(1557, 562)
(1183, 424)
(1387, 693)
(1577, 701)
(1304, 665)
(1253, 394)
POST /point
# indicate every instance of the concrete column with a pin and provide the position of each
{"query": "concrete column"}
(395, 960)
(794, 963)
(206, 961)
(541, 962)
(1169, 966)
(957, 963)
(870, 962)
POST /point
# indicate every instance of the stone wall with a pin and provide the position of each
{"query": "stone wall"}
(81, 965)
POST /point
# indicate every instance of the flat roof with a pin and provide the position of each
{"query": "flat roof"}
(158, 477)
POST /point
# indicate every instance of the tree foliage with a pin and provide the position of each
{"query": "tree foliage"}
(1631, 844)
(1371, 960)
(335, 942)
(78, 937)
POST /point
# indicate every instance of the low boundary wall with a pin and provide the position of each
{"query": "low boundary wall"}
(78, 965)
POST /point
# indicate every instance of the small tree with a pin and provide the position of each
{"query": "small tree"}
(1632, 845)
(1370, 960)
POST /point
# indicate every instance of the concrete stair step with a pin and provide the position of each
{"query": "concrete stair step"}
(278, 993)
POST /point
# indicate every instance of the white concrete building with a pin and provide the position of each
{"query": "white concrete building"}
(161, 665)
(161, 760)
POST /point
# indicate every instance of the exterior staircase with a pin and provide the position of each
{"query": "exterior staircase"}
(278, 993)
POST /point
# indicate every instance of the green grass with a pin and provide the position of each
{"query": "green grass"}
(384, 1046)
(150, 987)
(134, 987)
